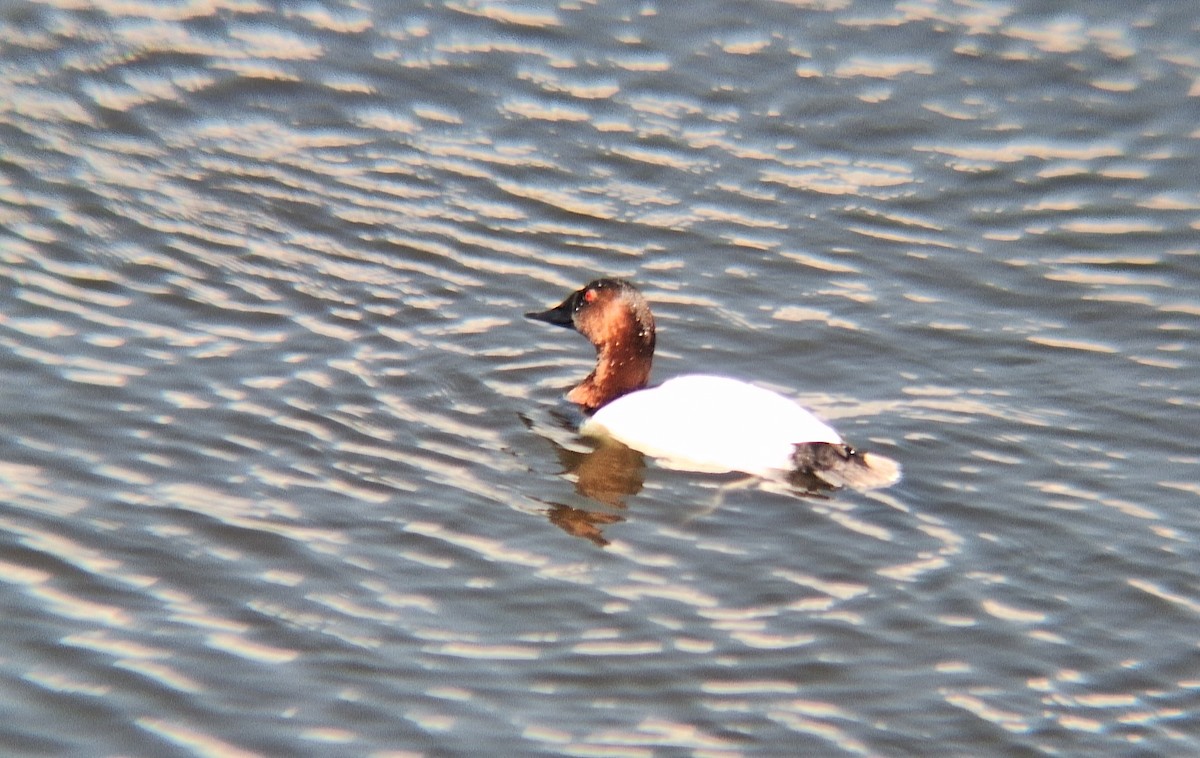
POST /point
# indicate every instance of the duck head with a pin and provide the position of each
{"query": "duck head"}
(616, 319)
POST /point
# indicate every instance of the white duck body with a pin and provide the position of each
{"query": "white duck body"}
(709, 423)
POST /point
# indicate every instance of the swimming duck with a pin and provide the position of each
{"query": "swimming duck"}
(698, 422)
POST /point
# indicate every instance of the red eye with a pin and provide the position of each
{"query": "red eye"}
(589, 296)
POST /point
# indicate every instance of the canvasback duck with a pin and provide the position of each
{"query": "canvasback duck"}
(698, 422)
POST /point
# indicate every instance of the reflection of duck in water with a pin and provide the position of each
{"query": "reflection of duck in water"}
(699, 422)
(607, 474)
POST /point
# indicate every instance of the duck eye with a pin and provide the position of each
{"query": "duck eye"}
(589, 296)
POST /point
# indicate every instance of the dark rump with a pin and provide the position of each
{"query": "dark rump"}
(826, 465)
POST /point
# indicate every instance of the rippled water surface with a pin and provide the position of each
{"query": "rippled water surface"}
(285, 472)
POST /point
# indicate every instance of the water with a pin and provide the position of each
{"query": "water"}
(285, 472)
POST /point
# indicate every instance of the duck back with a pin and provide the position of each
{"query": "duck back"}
(712, 423)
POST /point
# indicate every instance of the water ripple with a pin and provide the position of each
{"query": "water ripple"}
(286, 470)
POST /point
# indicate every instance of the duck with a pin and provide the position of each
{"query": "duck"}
(698, 422)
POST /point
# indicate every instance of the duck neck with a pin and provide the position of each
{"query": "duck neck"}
(621, 367)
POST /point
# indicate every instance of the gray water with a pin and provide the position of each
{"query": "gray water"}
(284, 471)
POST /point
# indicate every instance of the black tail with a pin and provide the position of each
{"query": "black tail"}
(829, 465)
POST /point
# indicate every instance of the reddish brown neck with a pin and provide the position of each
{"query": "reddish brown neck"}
(622, 366)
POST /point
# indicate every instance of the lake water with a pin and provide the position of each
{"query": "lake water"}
(285, 472)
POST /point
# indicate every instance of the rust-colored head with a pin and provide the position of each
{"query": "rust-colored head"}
(615, 318)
